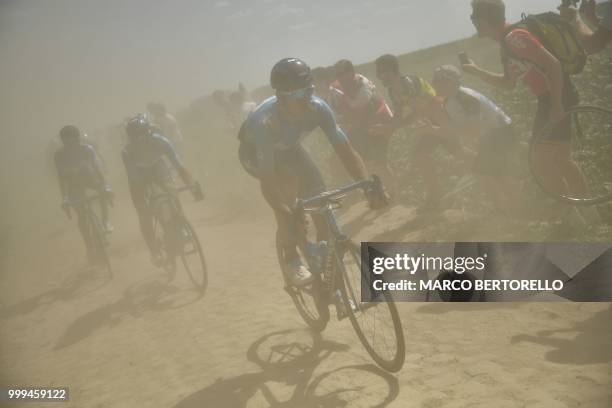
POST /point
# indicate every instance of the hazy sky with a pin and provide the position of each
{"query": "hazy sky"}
(91, 62)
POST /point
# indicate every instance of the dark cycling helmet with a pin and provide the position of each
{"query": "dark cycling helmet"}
(290, 74)
(137, 127)
(69, 132)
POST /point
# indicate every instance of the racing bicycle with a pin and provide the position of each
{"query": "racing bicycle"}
(338, 272)
(96, 234)
(175, 237)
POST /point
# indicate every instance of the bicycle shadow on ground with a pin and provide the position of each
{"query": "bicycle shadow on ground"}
(150, 295)
(84, 281)
(592, 343)
(288, 359)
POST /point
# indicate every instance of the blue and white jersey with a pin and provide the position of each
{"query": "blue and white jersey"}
(270, 134)
(150, 152)
(77, 164)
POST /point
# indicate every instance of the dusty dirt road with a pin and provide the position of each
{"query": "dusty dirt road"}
(135, 340)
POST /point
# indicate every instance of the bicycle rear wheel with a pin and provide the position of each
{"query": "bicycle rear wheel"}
(377, 324)
(191, 255)
(99, 241)
(590, 149)
(309, 301)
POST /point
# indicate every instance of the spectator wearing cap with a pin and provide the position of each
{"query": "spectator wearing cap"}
(473, 115)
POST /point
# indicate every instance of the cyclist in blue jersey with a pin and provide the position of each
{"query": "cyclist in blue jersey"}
(271, 151)
(143, 158)
(78, 169)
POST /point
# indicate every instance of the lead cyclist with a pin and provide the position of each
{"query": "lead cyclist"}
(271, 151)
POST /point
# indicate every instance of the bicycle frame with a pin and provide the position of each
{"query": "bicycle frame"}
(165, 208)
(323, 205)
(96, 235)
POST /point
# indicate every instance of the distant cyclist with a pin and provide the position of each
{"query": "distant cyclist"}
(593, 41)
(145, 158)
(274, 132)
(414, 101)
(525, 57)
(358, 107)
(78, 170)
(473, 115)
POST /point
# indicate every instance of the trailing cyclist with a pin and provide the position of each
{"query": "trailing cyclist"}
(525, 57)
(414, 100)
(358, 107)
(78, 170)
(166, 123)
(143, 158)
(271, 151)
(473, 115)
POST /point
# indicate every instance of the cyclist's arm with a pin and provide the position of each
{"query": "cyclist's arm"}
(63, 183)
(175, 129)
(352, 161)
(174, 159)
(350, 158)
(95, 164)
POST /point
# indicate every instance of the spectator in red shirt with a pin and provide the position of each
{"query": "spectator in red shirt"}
(543, 74)
(358, 107)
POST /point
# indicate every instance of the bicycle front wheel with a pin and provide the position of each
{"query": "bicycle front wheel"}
(309, 301)
(377, 324)
(579, 171)
(192, 256)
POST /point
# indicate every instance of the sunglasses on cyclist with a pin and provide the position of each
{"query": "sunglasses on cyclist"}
(299, 93)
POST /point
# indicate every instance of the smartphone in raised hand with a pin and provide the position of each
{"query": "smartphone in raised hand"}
(463, 58)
